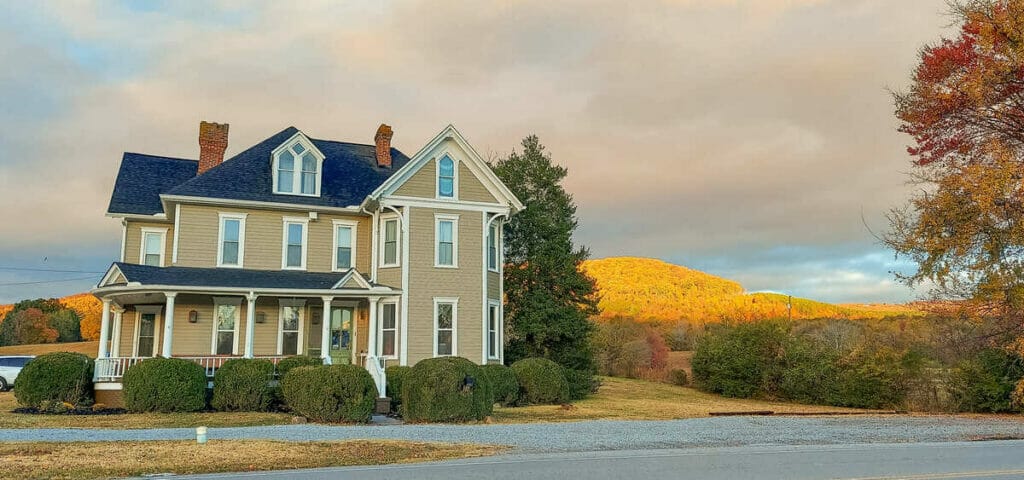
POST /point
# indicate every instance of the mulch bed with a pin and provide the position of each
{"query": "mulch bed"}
(77, 411)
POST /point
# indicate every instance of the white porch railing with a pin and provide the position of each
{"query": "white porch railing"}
(111, 369)
(375, 365)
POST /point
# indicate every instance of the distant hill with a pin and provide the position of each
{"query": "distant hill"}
(86, 305)
(648, 289)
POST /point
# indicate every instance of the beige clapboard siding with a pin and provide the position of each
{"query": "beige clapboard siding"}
(493, 285)
(424, 182)
(427, 282)
(133, 240)
(264, 238)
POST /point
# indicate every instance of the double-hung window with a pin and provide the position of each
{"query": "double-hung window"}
(293, 249)
(492, 248)
(152, 251)
(388, 329)
(232, 240)
(226, 313)
(493, 327)
(290, 329)
(446, 177)
(344, 245)
(445, 326)
(446, 244)
(389, 236)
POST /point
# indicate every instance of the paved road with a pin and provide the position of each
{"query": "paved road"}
(603, 435)
(1000, 460)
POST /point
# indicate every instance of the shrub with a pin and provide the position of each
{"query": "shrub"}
(446, 389)
(871, 380)
(55, 377)
(503, 383)
(289, 363)
(985, 382)
(243, 384)
(678, 377)
(581, 383)
(396, 375)
(626, 348)
(330, 393)
(733, 360)
(165, 385)
(807, 372)
(541, 381)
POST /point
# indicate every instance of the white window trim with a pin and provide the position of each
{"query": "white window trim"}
(454, 301)
(447, 217)
(496, 306)
(300, 304)
(380, 331)
(352, 241)
(142, 243)
(217, 301)
(241, 239)
(284, 241)
(384, 219)
(455, 179)
(156, 310)
(494, 233)
(297, 171)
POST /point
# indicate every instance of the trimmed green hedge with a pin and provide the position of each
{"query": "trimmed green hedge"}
(243, 384)
(396, 375)
(503, 383)
(165, 385)
(286, 364)
(446, 389)
(330, 393)
(581, 383)
(542, 381)
(55, 377)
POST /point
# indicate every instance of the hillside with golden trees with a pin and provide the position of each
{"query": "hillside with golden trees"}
(648, 289)
(88, 308)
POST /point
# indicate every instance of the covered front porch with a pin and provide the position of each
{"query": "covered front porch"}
(183, 313)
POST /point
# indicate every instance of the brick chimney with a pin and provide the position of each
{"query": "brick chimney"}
(213, 140)
(383, 140)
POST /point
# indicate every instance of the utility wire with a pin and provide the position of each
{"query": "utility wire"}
(46, 281)
(26, 269)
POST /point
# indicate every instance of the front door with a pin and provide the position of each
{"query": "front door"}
(341, 335)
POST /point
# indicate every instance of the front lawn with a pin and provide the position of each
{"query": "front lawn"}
(627, 399)
(84, 460)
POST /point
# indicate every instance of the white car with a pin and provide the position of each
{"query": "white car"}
(10, 367)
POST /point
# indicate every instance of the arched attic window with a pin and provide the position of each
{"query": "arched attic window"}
(297, 168)
(446, 178)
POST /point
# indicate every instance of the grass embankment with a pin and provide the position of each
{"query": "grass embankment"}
(83, 460)
(88, 348)
(627, 399)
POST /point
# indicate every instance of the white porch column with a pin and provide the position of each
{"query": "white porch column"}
(115, 337)
(325, 337)
(168, 323)
(250, 323)
(105, 331)
(371, 349)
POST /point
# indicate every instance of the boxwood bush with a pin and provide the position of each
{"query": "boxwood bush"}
(396, 375)
(289, 363)
(243, 384)
(446, 389)
(541, 381)
(330, 393)
(165, 385)
(55, 377)
(503, 383)
(581, 383)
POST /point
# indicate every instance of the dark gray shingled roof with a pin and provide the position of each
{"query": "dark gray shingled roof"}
(142, 178)
(350, 173)
(228, 277)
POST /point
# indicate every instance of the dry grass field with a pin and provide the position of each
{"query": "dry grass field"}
(88, 348)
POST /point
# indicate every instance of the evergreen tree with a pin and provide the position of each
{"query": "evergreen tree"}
(548, 298)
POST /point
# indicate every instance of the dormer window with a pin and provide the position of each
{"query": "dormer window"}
(297, 168)
(446, 177)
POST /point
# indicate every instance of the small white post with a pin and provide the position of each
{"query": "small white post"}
(168, 323)
(371, 349)
(325, 336)
(105, 330)
(250, 324)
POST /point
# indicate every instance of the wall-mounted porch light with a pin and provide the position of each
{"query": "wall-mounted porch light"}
(193, 316)
(261, 317)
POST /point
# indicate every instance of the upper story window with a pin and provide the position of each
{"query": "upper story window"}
(446, 181)
(389, 238)
(344, 244)
(492, 248)
(446, 244)
(297, 168)
(293, 248)
(152, 248)
(231, 248)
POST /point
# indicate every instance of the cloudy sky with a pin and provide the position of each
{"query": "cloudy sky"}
(750, 139)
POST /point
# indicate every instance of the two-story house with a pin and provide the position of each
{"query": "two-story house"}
(352, 252)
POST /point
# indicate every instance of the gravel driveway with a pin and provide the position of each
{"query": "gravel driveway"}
(601, 435)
